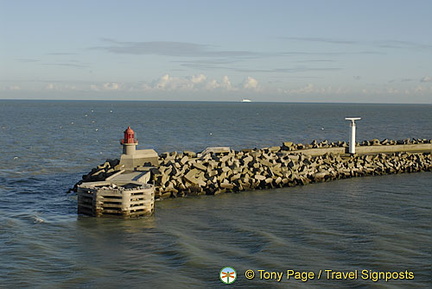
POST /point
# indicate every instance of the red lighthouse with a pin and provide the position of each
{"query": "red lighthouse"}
(129, 142)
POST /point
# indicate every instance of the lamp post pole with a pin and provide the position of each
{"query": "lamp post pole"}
(352, 141)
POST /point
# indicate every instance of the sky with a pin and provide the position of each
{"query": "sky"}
(186, 50)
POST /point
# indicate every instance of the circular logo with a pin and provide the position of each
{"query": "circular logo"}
(228, 275)
(249, 274)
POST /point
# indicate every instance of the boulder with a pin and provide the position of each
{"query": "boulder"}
(259, 177)
(199, 166)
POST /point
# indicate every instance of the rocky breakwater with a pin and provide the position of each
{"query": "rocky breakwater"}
(224, 170)
(189, 173)
(342, 144)
(387, 142)
(99, 173)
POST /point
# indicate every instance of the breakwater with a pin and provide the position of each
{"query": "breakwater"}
(220, 170)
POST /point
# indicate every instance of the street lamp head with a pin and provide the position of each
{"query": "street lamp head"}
(353, 118)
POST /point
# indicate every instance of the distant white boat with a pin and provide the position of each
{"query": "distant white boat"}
(246, 100)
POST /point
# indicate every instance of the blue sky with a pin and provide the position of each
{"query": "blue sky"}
(302, 51)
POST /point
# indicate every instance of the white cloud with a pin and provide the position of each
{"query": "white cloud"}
(13, 87)
(107, 86)
(111, 86)
(212, 84)
(167, 82)
(10, 88)
(426, 79)
(309, 88)
(191, 83)
(392, 90)
(420, 89)
(59, 87)
(202, 83)
(200, 78)
(417, 90)
(320, 90)
(50, 86)
(250, 83)
(94, 87)
(163, 82)
(226, 83)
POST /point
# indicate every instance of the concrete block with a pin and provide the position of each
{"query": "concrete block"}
(199, 166)
(216, 150)
(259, 177)
(189, 154)
(226, 185)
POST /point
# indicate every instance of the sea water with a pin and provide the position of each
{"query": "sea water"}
(365, 225)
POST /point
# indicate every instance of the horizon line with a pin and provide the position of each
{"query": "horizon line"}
(211, 101)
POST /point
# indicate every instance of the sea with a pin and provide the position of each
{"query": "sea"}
(369, 232)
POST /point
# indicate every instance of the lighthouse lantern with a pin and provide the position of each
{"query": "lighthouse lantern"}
(129, 142)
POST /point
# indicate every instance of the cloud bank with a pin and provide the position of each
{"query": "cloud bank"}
(183, 87)
(199, 82)
(170, 48)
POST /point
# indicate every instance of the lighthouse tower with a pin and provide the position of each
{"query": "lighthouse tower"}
(129, 142)
(132, 159)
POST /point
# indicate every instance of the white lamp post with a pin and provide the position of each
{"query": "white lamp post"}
(352, 141)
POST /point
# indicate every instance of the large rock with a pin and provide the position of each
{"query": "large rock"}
(216, 150)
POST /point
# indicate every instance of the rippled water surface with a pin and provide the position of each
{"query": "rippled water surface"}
(373, 223)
